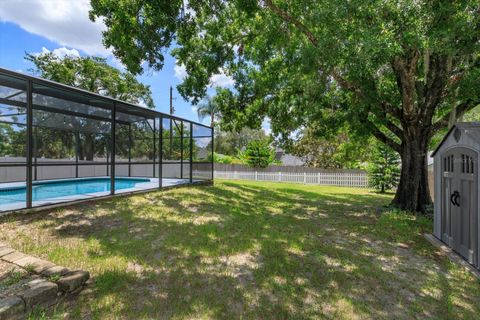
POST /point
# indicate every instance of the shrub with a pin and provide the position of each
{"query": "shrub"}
(258, 154)
(384, 169)
(224, 159)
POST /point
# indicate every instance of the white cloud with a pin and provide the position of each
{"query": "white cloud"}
(60, 52)
(64, 22)
(217, 80)
(65, 52)
(180, 71)
(194, 109)
(221, 80)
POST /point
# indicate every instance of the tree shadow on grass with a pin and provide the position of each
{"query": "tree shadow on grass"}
(239, 250)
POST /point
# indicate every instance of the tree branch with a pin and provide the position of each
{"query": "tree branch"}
(435, 85)
(404, 69)
(290, 19)
(382, 114)
(388, 108)
(345, 84)
(393, 127)
(382, 137)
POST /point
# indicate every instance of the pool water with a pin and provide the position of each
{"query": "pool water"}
(42, 191)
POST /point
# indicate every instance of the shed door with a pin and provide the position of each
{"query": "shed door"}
(459, 218)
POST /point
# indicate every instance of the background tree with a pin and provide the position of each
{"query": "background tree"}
(472, 116)
(141, 144)
(229, 142)
(92, 74)
(12, 140)
(337, 151)
(208, 108)
(258, 154)
(172, 145)
(95, 75)
(384, 168)
(397, 70)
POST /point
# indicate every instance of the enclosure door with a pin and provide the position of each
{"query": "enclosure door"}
(460, 190)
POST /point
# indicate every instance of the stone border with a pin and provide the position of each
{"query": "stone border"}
(452, 255)
(53, 283)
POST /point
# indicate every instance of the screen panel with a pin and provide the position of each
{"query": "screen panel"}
(136, 148)
(13, 141)
(175, 153)
(71, 145)
(202, 153)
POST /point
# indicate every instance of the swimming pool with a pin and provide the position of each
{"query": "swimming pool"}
(47, 190)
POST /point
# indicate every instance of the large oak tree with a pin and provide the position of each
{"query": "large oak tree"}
(399, 70)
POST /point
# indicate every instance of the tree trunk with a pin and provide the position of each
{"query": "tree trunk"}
(89, 147)
(413, 192)
(78, 146)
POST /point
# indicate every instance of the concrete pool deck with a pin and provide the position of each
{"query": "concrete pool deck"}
(139, 187)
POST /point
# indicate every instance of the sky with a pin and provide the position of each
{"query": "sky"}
(63, 27)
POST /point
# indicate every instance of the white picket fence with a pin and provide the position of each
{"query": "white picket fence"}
(345, 179)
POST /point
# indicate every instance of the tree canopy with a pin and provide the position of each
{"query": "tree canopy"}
(230, 142)
(397, 70)
(338, 150)
(92, 74)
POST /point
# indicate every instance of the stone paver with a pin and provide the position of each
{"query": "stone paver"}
(5, 250)
(40, 293)
(12, 308)
(37, 264)
(55, 271)
(72, 281)
(34, 285)
(14, 256)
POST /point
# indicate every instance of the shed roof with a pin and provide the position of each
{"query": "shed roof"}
(470, 128)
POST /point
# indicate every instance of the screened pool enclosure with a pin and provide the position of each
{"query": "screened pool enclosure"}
(60, 144)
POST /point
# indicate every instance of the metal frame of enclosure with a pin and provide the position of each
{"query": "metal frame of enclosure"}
(53, 133)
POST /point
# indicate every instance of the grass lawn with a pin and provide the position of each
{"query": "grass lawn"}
(248, 250)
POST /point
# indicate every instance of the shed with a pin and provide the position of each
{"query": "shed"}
(456, 210)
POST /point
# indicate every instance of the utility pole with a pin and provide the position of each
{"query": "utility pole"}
(172, 110)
